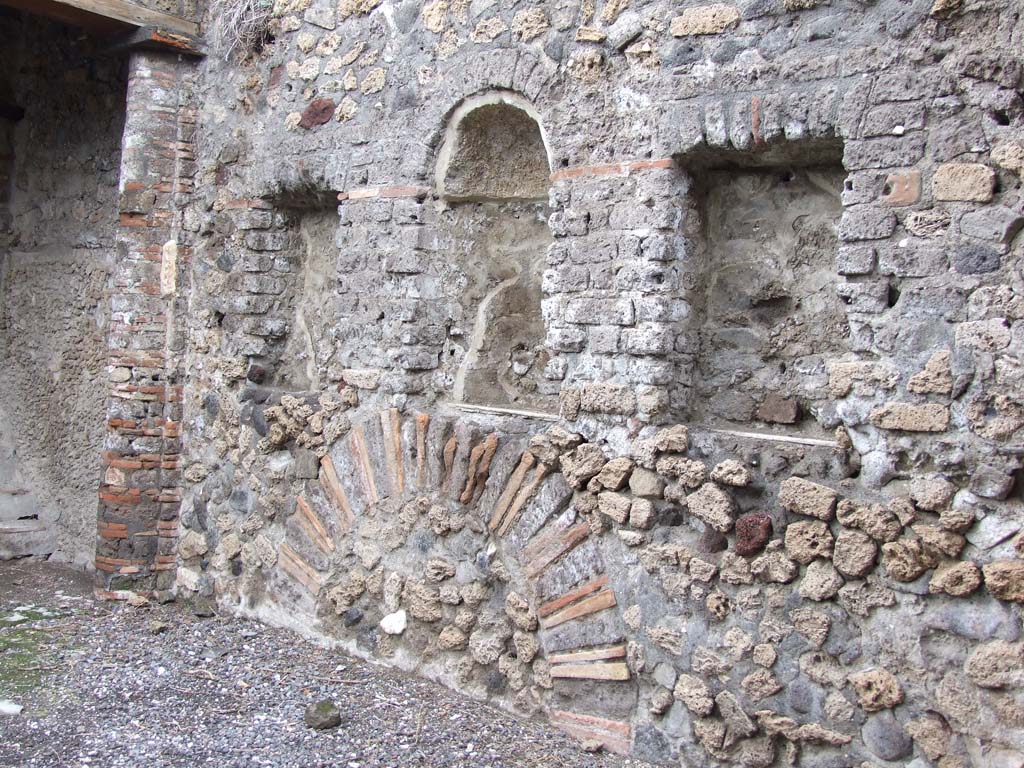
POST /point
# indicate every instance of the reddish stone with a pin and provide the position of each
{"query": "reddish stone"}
(778, 410)
(752, 533)
(318, 112)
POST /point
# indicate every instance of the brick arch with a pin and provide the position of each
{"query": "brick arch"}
(525, 508)
(467, 75)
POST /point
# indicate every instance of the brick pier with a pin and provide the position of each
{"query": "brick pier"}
(140, 493)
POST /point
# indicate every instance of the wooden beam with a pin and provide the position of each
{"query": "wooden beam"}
(97, 14)
(154, 39)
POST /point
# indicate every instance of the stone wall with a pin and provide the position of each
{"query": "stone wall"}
(58, 187)
(776, 518)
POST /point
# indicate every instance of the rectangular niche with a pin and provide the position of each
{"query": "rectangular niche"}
(289, 270)
(766, 308)
(497, 259)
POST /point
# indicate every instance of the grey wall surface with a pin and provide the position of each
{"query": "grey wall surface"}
(56, 253)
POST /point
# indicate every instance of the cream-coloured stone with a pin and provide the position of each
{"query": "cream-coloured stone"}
(518, 609)
(877, 689)
(861, 377)
(349, 8)
(690, 472)
(527, 646)
(773, 565)
(1010, 155)
(765, 655)
(305, 42)
(905, 560)
(422, 602)
(713, 506)
(192, 544)
(615, 505)
(942, 9)
(582, 464)
(452, 638)
(611, 9)
(931, 734)
(705, 20)
(808, 540)
(972, 182)
(328, 44)
(642, 514)
(734, 569)
(615, 473)
(666, 637)
(230, 546)
(985, 335)
(760, 684)
(935, 378)
(701, 570)
(661, 700)
(694, 694)
(265, 550)
(807, 498)
(838, 708)
(811, 624)
(909, 417)
(645, 483)
(438, 569)
(997, 664)
(486, 646)
(674, 439)
(529, 23)
(932, 493)
(608, 398)
(737, 643)
(854, 553)
(731, 472)
(374, 81)
(875, 520)
(347, 109)
(488, 29)
(630, 538)
(956, 579)
(938, 541)
(309, 69)
(821, 581)
(1004, 579)
(633, 617)
(434, 15)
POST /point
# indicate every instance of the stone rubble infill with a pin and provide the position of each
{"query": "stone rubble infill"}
(233, 694)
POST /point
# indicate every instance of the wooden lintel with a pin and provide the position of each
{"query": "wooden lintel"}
(105, 14)
(156, 39)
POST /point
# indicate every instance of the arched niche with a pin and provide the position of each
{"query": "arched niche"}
(494, 148)
(492, 176)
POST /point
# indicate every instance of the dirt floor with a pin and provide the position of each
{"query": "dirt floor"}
(110, 685)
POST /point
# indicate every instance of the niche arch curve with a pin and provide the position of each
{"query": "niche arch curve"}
(493, 147)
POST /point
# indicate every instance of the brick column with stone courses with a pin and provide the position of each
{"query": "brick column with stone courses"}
(139, 495)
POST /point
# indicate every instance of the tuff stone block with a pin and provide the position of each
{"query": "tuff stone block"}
(970, 182)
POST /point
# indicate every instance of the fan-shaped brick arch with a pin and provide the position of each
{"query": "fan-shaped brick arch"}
(389, 462)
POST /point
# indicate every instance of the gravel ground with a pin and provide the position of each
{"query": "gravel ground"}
(115, 686)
